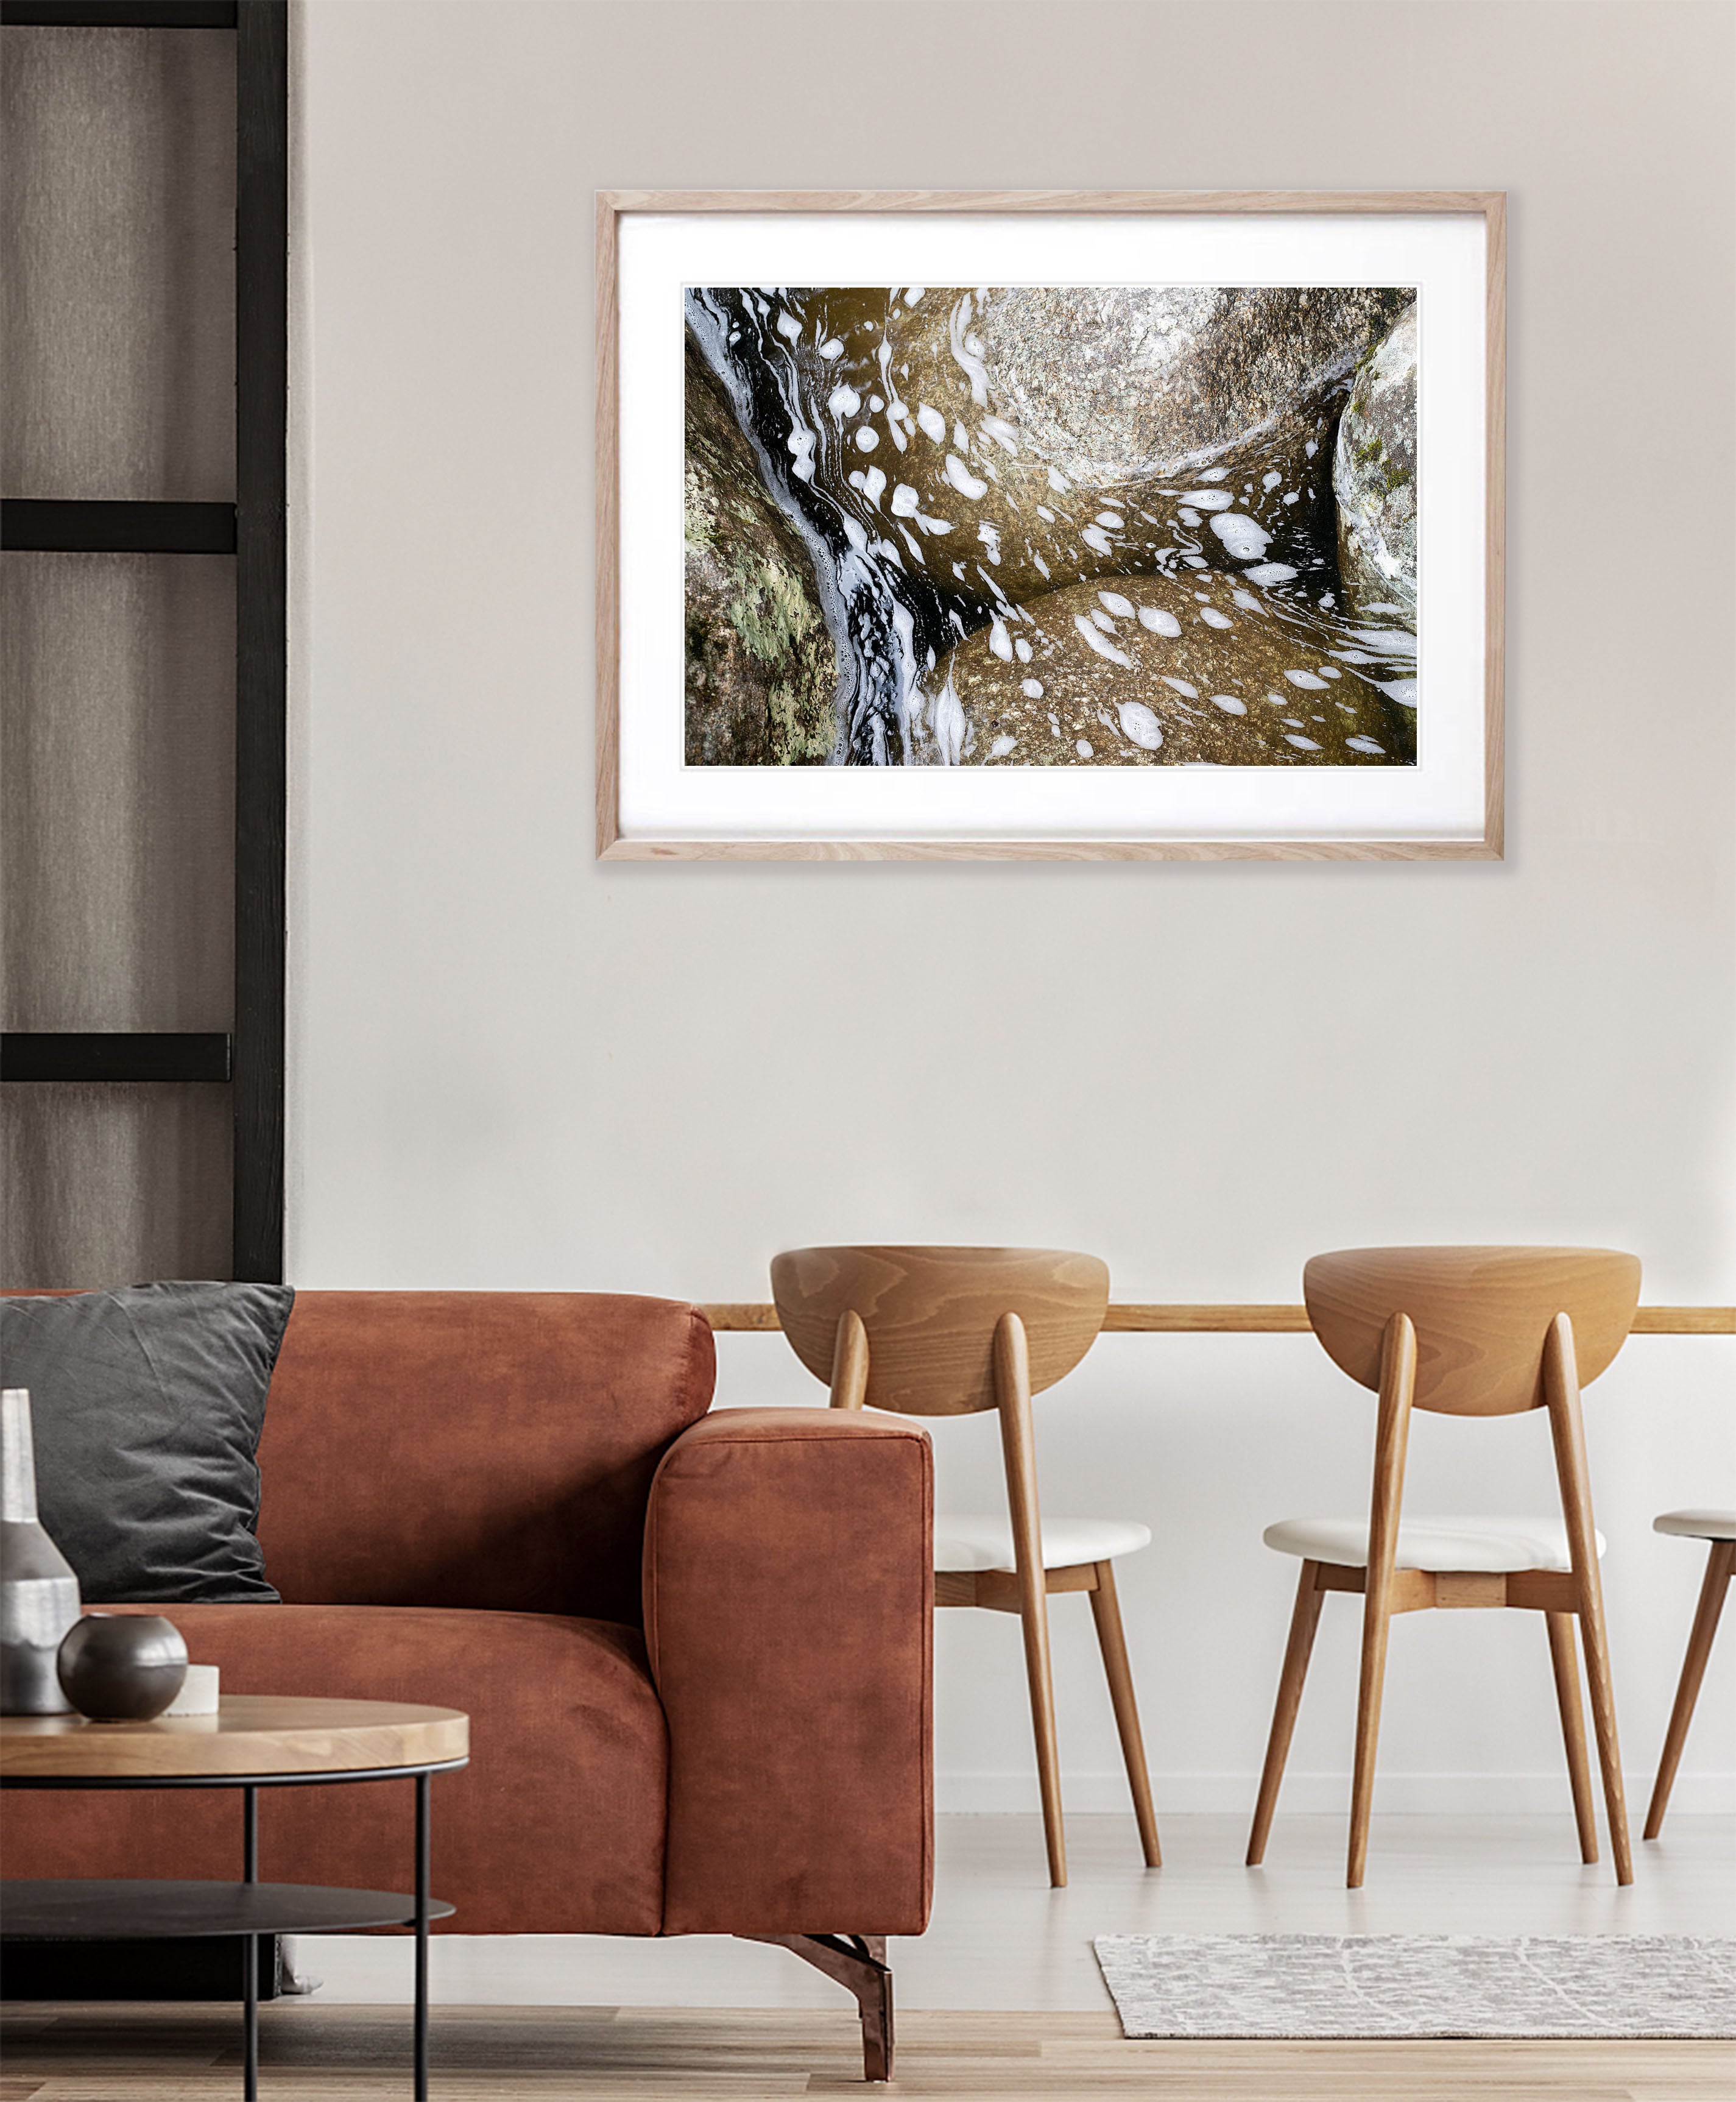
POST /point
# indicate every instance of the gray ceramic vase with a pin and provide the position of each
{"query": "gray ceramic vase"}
(122, 1667)
(38, 1592)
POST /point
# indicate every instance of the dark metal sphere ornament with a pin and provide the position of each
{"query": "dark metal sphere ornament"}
(122, 1667)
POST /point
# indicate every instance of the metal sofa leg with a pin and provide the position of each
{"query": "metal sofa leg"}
(859, 1962)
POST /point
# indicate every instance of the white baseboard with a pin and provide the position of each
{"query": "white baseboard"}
(1440, 1795)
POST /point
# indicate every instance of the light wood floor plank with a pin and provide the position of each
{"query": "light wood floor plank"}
(357, 2054)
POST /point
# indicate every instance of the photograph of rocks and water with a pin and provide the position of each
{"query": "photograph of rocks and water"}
(1036, 526)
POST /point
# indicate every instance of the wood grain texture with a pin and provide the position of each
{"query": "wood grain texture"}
(319, 2052)
(931, 1316)
(1156, 1318)
(608, 531)
(612, 205)
(1562, 1385)
(1483, 1316)
(1720, 1564)
(251, 1733)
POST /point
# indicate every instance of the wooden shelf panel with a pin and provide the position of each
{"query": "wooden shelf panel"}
(1129, 1317)
(49, 525)
(114, 1055)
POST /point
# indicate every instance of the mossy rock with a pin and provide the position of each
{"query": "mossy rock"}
(762, 668)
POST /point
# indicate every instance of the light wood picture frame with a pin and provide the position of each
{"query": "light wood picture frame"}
(658, 249)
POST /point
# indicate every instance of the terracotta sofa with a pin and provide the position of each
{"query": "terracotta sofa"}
(695, 1648)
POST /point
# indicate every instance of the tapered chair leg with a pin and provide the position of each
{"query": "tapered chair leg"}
(1036, 1625)
(1376, 1620)
(1303, 1621)
(1572, 1728)
(1719, 1566)
(1105, 1609)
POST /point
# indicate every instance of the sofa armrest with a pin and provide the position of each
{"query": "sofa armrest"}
(788, 1607)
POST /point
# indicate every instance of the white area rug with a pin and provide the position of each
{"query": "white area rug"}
(1289, 1985)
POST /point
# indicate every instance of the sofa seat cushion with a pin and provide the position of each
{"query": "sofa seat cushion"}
(555, 1827)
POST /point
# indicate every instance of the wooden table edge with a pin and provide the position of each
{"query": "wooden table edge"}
(406, 1735)
(1133, 1317)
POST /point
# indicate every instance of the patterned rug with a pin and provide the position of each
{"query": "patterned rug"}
(1300, 1985)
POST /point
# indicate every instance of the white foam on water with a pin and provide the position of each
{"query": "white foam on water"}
(961, 438)
(1081, 746)
(1045, 514)
(1292, 495)
(1032, 689)
(933, 423)
(1022, 649)
(1209, 500)
(948, 723)
(906, 502)
(1330, 671)
(1036, 558)
(1004, 434)
(789, 325)
(1114, 602)
(844, 401)
(867, 438)
(1187, 517)
(1270, 481)
(1002, 746)
(1058, 481)
(1181, 686)
(963, 480)
(999, 641)
(1311, 448)
(1139, 725)
(1215, 474)
(1213, 619)
(1159, 621)
(968, 359)
(1246, 601)
(1103, 621)
(1244, 539)
(831, 348)
(1364, 744)
(1306, 679)
(1229, 704)
(1270, 573)
(1113, 519)
(913, 293)
(1097, 643)
(1054, 722)
(1097, 539)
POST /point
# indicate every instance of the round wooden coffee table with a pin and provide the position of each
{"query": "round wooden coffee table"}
(255, 1741)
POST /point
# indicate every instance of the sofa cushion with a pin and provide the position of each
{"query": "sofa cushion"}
(146, 1404)
(474, 1448)
(555, 1827)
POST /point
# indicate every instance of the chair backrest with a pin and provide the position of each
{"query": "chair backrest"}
(1481, 1316)
(930, 1315)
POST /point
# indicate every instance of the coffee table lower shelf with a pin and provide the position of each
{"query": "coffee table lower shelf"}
(89, 1908)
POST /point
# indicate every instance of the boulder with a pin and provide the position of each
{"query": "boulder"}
(762, 667)
(1157, 671)
(1374, 477)
(1008, 441)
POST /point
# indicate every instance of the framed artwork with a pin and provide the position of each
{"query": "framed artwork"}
(1049, 525)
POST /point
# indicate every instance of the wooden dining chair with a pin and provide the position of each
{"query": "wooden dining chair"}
(1717, 1527)
(1465, 1331)
(951, 1331)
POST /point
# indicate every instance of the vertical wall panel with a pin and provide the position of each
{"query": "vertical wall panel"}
(113, 1184)
(117, 264)
(116, 796)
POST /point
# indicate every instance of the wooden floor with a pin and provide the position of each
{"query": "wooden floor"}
(350, 2054)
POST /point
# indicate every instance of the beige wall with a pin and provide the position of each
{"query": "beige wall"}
(512, 1066)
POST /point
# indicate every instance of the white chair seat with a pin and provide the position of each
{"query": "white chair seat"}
(1491, 1544)
(1698, 1525)
(987, 1543)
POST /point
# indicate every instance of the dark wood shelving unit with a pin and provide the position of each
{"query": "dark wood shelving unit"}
(251, 530)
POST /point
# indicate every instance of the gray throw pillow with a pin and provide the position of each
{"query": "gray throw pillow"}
(146, 1404)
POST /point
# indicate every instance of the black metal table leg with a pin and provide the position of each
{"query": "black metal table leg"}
(251, 1950)
(423, 1784)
